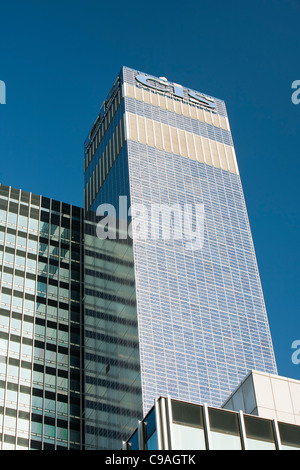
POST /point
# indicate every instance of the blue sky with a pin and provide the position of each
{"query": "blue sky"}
(60, 58)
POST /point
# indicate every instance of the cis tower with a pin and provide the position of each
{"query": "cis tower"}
(161, 319)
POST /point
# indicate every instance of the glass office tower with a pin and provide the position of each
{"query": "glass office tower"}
(40, 322)
(200, 312)
(112, 399)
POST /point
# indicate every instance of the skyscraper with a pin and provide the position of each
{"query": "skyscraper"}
(152, 290)
(193, 321)
(41, 395)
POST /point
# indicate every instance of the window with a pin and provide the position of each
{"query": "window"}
(187, 426)
(150, 431)
(290, 436)
(134, 441)
(259, 433)
(224, 429)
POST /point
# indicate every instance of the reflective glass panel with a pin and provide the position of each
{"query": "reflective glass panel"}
(259, 433)
(224, 430)
(150, 431)
(290, 436)
(134, 441)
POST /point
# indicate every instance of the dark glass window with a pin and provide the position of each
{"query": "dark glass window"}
(3, 204)
(35, 445)
(14, 194)
(289, 434)
(35, 200)
(223, 421)
(34, 214)
(4, 190)
(24, 211)
(66, 208)
(258, 428)
(134, 441)
(45, 216)
(45, 203)
(56, 206)
(187, 413)
(25, 197)
(13, 207)
(150, 431)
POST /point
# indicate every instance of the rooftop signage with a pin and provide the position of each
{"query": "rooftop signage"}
(161, 84)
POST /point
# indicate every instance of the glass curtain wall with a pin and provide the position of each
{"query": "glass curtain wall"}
(113, 395)
(112, 372)
(40, 322)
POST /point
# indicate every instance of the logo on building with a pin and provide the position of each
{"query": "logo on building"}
(2, 92)
(162, 85)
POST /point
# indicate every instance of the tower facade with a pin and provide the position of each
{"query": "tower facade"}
(160, 161)
(40, 322)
